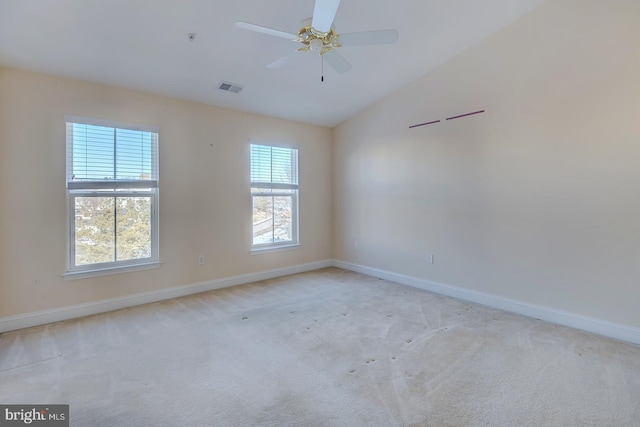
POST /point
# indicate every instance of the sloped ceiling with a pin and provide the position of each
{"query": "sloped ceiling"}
(143, 45)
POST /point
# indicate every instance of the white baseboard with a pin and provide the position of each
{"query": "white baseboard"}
(71, 312)
(596, 326)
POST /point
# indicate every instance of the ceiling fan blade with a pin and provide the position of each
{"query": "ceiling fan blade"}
(260, 29)
(323, 14)
(336, 61)
(281, 62)
(368, 38)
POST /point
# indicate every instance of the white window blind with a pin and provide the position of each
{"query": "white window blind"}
(274, 167)
(110, 157)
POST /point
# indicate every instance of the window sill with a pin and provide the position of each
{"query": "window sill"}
(84, 274)
(278, 248)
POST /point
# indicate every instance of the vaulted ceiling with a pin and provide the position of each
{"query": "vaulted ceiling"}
(143, 45)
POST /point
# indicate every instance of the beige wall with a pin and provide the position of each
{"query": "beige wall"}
(538, 199)
(205, 205)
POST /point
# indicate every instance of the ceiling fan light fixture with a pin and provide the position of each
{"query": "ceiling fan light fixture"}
(316, 44)
(314, 40)
(318, 34)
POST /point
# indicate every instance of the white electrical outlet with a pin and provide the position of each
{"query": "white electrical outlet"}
(200, 259)
(356, 246)
(430, 259)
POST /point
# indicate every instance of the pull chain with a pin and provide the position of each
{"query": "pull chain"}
(322, 68)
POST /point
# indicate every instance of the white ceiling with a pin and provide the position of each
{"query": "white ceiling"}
(143, 44)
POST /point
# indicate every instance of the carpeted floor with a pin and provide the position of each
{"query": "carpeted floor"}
(325, 348)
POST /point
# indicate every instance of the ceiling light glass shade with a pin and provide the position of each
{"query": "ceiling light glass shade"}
(316, 44)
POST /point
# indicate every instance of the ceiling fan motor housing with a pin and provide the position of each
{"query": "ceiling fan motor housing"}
(314, 40)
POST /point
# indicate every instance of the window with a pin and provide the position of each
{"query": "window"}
(112, 195)
(274, 192)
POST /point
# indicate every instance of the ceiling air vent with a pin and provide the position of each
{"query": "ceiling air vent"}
(230, 87)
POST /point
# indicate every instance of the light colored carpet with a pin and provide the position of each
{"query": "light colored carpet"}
(325, 348)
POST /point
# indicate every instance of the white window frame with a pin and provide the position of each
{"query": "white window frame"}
(111, 188)
(288, 190)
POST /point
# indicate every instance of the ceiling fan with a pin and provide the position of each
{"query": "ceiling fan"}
(318, 34)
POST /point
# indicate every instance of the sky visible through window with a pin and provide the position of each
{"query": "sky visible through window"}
(106, 153)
